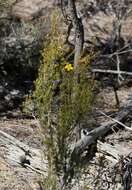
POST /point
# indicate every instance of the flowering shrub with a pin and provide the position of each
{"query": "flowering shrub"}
(68, 67)
(61, 102)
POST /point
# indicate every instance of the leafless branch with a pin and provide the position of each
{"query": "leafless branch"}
(111, 72)
(120, 78)
(119, 122)
(117, 53)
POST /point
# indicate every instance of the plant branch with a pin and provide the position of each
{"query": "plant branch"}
(120, 123)
(111, 71)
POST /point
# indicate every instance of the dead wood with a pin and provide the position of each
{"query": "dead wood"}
(113, 152)
(90, 139)
(84, 142)
(111, 72)
(13, 150)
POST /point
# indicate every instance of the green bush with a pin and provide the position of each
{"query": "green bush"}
(61, 102)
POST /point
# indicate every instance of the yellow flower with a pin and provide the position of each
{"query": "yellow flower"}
(68, 67)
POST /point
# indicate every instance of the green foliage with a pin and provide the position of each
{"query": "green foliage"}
(4, 4)
(5, 7)
(61, 102)
(50, 182)
(49, 74)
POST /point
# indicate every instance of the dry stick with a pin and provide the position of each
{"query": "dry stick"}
(120, 78)
(116, 96)
(30, 167)
(120, 123)
(111, 71)
(35, 170)
(116, 53)
(122, 52)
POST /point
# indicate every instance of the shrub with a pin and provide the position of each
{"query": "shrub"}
(61, 102)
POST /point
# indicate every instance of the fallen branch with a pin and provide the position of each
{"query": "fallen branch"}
(120, 123)
(113, 153)
(116, 53)
(83, 143)
(12, 150)
(111, 72)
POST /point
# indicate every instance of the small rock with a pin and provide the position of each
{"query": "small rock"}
(14, 92)
(8, 97)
